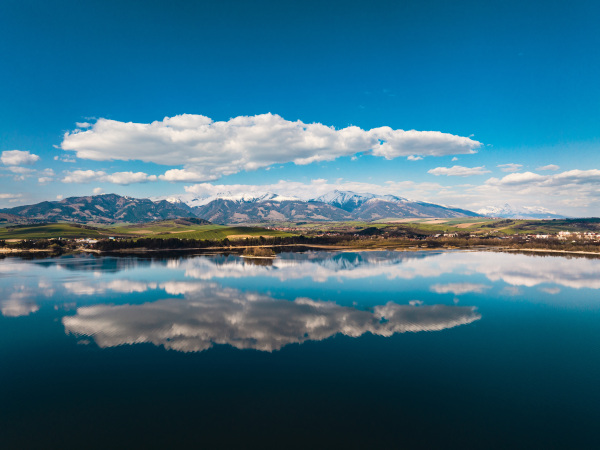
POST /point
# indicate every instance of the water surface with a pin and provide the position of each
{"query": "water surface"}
(313, 349)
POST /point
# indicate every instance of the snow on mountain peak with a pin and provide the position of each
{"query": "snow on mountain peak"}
(353, 198)
(241, 197)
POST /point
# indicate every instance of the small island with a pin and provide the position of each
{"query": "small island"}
(259, 252)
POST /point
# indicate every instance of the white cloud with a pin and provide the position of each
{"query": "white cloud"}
(573, 192)
(97, 191)
(65, 158)
(21, 170)
(18, 157)
(571, 177)
(129, 177)
(455, 159)
(59, 197)
(552, 167)
(516, 179)
(414, 158)
(510, 167)
(87, 176)
(212, 149)
(7, 196)
(316, 188)
(458, 171)
(45, 180)
(186, 175)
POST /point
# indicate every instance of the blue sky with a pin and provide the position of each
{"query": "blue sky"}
(516, 83)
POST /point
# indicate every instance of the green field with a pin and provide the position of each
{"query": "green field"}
(48, 231)
(213, 233)
(171, 229)
(156, 230)
(177, 229)
(472, 225)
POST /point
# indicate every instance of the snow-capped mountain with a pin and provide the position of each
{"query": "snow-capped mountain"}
(367, 206)
(251, 197)
(253, 207)
(523, 212)
(349, 201)
(225, 208)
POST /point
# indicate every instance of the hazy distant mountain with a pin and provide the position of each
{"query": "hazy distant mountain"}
(525, 212)
(106, 208)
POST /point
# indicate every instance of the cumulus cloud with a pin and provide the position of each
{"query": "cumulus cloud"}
(458, 171)
(215, 315)
(571, 177)
(516, 179)
(211, 149)
(552, 167)
(87, 176)
(511, 167)
(18, 157)
(186, 175)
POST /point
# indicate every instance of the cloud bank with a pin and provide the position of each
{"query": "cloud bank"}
(317, 187)
(123, 178)
(209, 150)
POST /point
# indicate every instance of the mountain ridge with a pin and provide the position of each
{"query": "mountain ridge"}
(233, 208)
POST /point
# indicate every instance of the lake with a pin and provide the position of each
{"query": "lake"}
(314, 349)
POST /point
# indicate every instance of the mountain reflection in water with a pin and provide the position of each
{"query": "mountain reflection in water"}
(211, 314)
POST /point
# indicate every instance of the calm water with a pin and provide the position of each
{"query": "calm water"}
(312, 350)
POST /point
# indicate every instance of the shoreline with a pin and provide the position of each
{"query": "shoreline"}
(324, 247)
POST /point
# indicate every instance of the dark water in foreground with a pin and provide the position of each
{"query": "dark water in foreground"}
(313, 350)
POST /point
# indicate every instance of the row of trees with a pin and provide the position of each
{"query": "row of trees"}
(175, 243)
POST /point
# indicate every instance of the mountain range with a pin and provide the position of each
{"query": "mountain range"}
(333, 206)
(231, 208)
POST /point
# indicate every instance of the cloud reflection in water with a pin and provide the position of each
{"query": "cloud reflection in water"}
(211, 314)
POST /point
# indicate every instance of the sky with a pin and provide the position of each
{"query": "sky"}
(467, 103)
